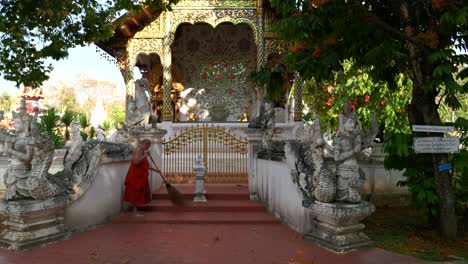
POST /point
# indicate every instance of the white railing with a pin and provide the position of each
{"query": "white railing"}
(272, 183)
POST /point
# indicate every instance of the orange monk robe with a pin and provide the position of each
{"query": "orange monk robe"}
(137, 189)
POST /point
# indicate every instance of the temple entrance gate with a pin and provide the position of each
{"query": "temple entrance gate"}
(224, 154)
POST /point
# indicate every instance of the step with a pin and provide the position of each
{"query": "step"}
(210, 206)
(209, 196)
(214, 192)
(197, 218)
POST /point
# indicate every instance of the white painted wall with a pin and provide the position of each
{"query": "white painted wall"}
(102, 200)
(280, 195)
(275, 188)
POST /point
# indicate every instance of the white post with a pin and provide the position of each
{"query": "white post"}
(200, 169)
(254, 137)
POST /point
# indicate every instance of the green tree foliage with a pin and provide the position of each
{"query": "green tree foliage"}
(388, 38)
(67, 118)
(270, 78)
(66, 98)
(33, 31)
(49, 123)
(6, 102)
(460, 165)
(107, 126)
(84, 124)
(366, 95)
(118, 114)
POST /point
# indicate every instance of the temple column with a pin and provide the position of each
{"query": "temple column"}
(167, 71)
(298, 82)
(126, 69)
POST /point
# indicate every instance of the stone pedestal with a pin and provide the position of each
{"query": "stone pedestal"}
(33, 223)
(337, 226)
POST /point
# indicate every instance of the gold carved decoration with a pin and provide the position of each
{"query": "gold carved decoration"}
(214, 18)
(273, 46)
(216, 3)
(145, 46)
(154, 30)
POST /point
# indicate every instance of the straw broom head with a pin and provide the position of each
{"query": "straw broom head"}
(176, 197)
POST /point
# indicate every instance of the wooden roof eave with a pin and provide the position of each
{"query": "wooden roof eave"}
(125, 27)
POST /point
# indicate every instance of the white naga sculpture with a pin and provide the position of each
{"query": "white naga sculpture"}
(73, 145)
(100, 135)
(31, 155)
(305, 157)
(306, 160)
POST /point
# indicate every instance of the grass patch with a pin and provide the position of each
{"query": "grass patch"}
(406, 231)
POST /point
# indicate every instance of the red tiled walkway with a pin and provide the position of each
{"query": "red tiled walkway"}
(131, 241)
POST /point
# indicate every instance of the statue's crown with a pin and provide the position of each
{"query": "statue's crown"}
(22, 115)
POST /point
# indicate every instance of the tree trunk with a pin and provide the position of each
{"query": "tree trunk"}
(424, 111)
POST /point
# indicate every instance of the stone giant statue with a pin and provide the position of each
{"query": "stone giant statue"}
(31, 155)
(305, 157)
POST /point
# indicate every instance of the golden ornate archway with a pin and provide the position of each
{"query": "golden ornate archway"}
(154, 32)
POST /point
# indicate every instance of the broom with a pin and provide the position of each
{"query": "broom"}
(175, 196)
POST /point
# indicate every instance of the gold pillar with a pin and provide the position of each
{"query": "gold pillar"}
(298, 82)
(167, 72)
(261, 56)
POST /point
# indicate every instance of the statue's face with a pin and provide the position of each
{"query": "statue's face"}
(19, 125)
(350, 126)
(74, 129)
(268, 106)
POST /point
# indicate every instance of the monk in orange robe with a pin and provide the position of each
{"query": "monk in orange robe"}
(137, 188)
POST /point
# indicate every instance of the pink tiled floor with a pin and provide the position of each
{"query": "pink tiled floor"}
(193, 244)
(229, 230)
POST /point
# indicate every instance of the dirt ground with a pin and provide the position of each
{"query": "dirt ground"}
(406, 231)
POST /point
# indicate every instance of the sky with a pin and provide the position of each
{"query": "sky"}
(81, 60)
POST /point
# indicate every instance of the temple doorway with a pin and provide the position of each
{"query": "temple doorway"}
(211, 67)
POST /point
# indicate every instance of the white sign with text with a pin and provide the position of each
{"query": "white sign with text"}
(436, 144)
(435, 129)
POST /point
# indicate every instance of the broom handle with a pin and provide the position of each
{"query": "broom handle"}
(154, 163)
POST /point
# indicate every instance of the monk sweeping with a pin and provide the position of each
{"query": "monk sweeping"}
(137, 188)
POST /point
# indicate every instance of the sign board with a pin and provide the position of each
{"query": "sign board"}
(436, 144)
(444, 167)
(435, 129)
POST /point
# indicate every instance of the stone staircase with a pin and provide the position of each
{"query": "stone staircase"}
(227, 204)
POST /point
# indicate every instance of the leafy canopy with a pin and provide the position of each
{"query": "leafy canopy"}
(322, 34)
(32, 31)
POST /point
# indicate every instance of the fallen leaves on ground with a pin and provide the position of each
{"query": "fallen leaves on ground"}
(94, 257)
(299, 261)
(405, 231)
